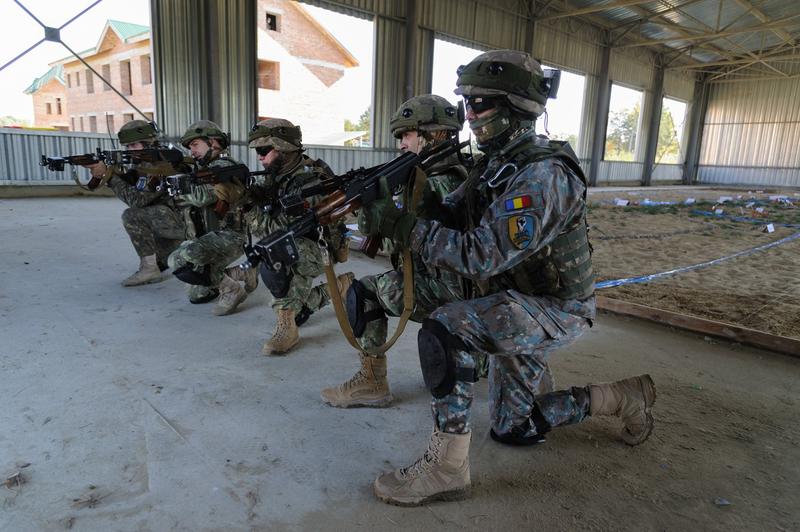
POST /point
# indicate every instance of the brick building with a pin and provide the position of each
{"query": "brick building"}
(299, 63)
(122, 55)
(49, 94)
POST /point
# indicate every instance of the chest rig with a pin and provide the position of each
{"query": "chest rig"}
(562, 268)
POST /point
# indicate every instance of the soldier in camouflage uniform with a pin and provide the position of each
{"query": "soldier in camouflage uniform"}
(278, 144)
(153, 223)
(201, 262)
(517, 230)
(420, 123)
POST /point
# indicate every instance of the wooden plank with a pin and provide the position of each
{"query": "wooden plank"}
(735, 333)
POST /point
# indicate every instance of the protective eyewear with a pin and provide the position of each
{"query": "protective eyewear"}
(479, 104)
(263, 150)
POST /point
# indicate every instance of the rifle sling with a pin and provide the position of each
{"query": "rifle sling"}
(420, 182)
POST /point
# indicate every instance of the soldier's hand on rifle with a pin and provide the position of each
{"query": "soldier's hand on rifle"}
(97, 170)
(383, 218)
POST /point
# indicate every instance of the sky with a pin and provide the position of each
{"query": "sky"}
(20, 31)
(357, 35)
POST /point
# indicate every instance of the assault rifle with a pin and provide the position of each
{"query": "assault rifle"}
(278, 250)
(56, 164)
(181, 183)
(155, 161)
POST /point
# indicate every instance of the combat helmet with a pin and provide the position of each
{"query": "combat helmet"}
(509, 74)
(205, 129)
(427, 112)
(275, 133)
(137, 131)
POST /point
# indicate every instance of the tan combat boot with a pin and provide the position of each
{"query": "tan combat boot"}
(249, 276)
(230, 295)
(368, 387)
(630, 399)
(285, 336)
(442, 473)
(148, 272)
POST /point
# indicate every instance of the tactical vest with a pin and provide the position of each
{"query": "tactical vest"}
(563, 268)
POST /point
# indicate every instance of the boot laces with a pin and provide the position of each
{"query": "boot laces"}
(424, 464)
(359, 378)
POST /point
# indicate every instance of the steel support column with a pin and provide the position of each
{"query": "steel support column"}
(601, 115)
(530, 26)
(653, 124)
(412, 29)
(696, 124)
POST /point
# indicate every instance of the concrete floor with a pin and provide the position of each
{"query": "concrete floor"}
(138, 411)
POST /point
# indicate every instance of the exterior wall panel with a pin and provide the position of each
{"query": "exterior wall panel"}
(23, 150)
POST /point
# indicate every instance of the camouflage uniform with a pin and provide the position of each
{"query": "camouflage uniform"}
(215, 249)
(516, 229)
(299, 172)
(433, 287)
(151, 220)
(419, 124)
(279, 143)
(516, 327)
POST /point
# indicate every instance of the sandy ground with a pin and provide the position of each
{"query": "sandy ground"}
(129, 409)
(760, 291)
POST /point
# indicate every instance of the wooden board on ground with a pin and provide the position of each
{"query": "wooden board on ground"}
(781, 344)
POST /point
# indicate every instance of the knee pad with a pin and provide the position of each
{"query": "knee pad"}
(189, 275)
(355, 303)
(277, 282)
(437, 348)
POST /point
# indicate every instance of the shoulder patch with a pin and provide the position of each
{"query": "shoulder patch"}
(520, 231)
(520, 202)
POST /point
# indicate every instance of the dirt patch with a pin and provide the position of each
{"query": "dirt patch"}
(759, 290)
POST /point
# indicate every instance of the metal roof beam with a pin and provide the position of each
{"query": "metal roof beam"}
(595, 8)
(760, 15)
(762, 58)
(755, 78)
(717, 35)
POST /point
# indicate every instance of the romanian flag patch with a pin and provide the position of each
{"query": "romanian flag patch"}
(520, 202)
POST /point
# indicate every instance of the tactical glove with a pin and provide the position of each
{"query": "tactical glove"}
(383, 218)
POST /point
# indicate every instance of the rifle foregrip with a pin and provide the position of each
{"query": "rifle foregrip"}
(370, 246)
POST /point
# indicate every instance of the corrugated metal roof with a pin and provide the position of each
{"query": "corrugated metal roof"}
(724, 21)
(56, 72)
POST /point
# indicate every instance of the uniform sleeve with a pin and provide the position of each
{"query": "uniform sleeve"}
(200, 196)
(130, 195)
(538, 205)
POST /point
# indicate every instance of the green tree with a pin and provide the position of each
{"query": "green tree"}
(9, 120)
(362, 125)
(668, 148)
(623, 127)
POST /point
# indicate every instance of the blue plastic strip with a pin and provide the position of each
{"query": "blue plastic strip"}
(647, 278)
